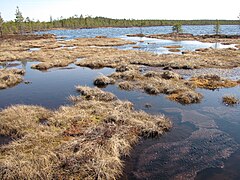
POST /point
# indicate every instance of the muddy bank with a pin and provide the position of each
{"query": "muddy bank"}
(84, 140)
(26, 37)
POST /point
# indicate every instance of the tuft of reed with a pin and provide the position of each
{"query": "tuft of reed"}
(230, 100)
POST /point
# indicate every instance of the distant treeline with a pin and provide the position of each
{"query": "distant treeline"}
(26, 25)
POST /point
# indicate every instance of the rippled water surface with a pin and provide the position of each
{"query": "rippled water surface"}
(149, 44)
(120, 32)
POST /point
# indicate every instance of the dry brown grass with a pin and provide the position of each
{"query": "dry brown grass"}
(186, 97)
(152, 82)
(170, 83)
(215, 58)
(172, 46)
(102, 81)
(97, 41)
(230, 100)
(31, 155)
(56, 54)
(125, 85)
(211, 81)
(95, 55)
(10, 77)
(225, 39)
(174, 50)
(82, 141)
(95, 94)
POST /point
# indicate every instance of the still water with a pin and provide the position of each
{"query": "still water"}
(205, 138)
(150, 44)
(121, 32)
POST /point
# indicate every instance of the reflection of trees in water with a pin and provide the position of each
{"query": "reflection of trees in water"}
(5, 65)
(217, 44)
(24, 64)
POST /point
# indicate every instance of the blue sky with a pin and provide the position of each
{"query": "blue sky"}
(137, 9)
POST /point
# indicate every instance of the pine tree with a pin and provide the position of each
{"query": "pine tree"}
(19, 20)
(217, 28)
(1, 24)
(177, 28)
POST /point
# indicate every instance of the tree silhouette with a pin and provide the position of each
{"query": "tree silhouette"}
(1, 24)
(19, 20)
(217, 28)
(177, 28)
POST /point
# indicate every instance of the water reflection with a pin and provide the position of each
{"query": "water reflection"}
(50, 88)
(202, 135)
(158, 46)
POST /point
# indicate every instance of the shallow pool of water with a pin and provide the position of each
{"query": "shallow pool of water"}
(201, 141)
(205, 138)
(149, 44)
(158, 46)
(119, 32)
(50, 88)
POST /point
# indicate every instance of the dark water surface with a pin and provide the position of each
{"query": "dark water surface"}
(203, 143)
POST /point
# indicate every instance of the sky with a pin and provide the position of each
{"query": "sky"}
(129, 9)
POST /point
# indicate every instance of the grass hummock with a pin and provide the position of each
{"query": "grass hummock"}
(86, 140)
(102, 81)
(212, 81)
(10, 77)
(154, 83)
(230, 100)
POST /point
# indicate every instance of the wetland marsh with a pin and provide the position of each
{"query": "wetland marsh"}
(146, 135)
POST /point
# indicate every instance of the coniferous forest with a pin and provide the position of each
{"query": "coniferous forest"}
(23, 24)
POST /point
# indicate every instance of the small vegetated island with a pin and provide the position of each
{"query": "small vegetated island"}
(87, 140)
